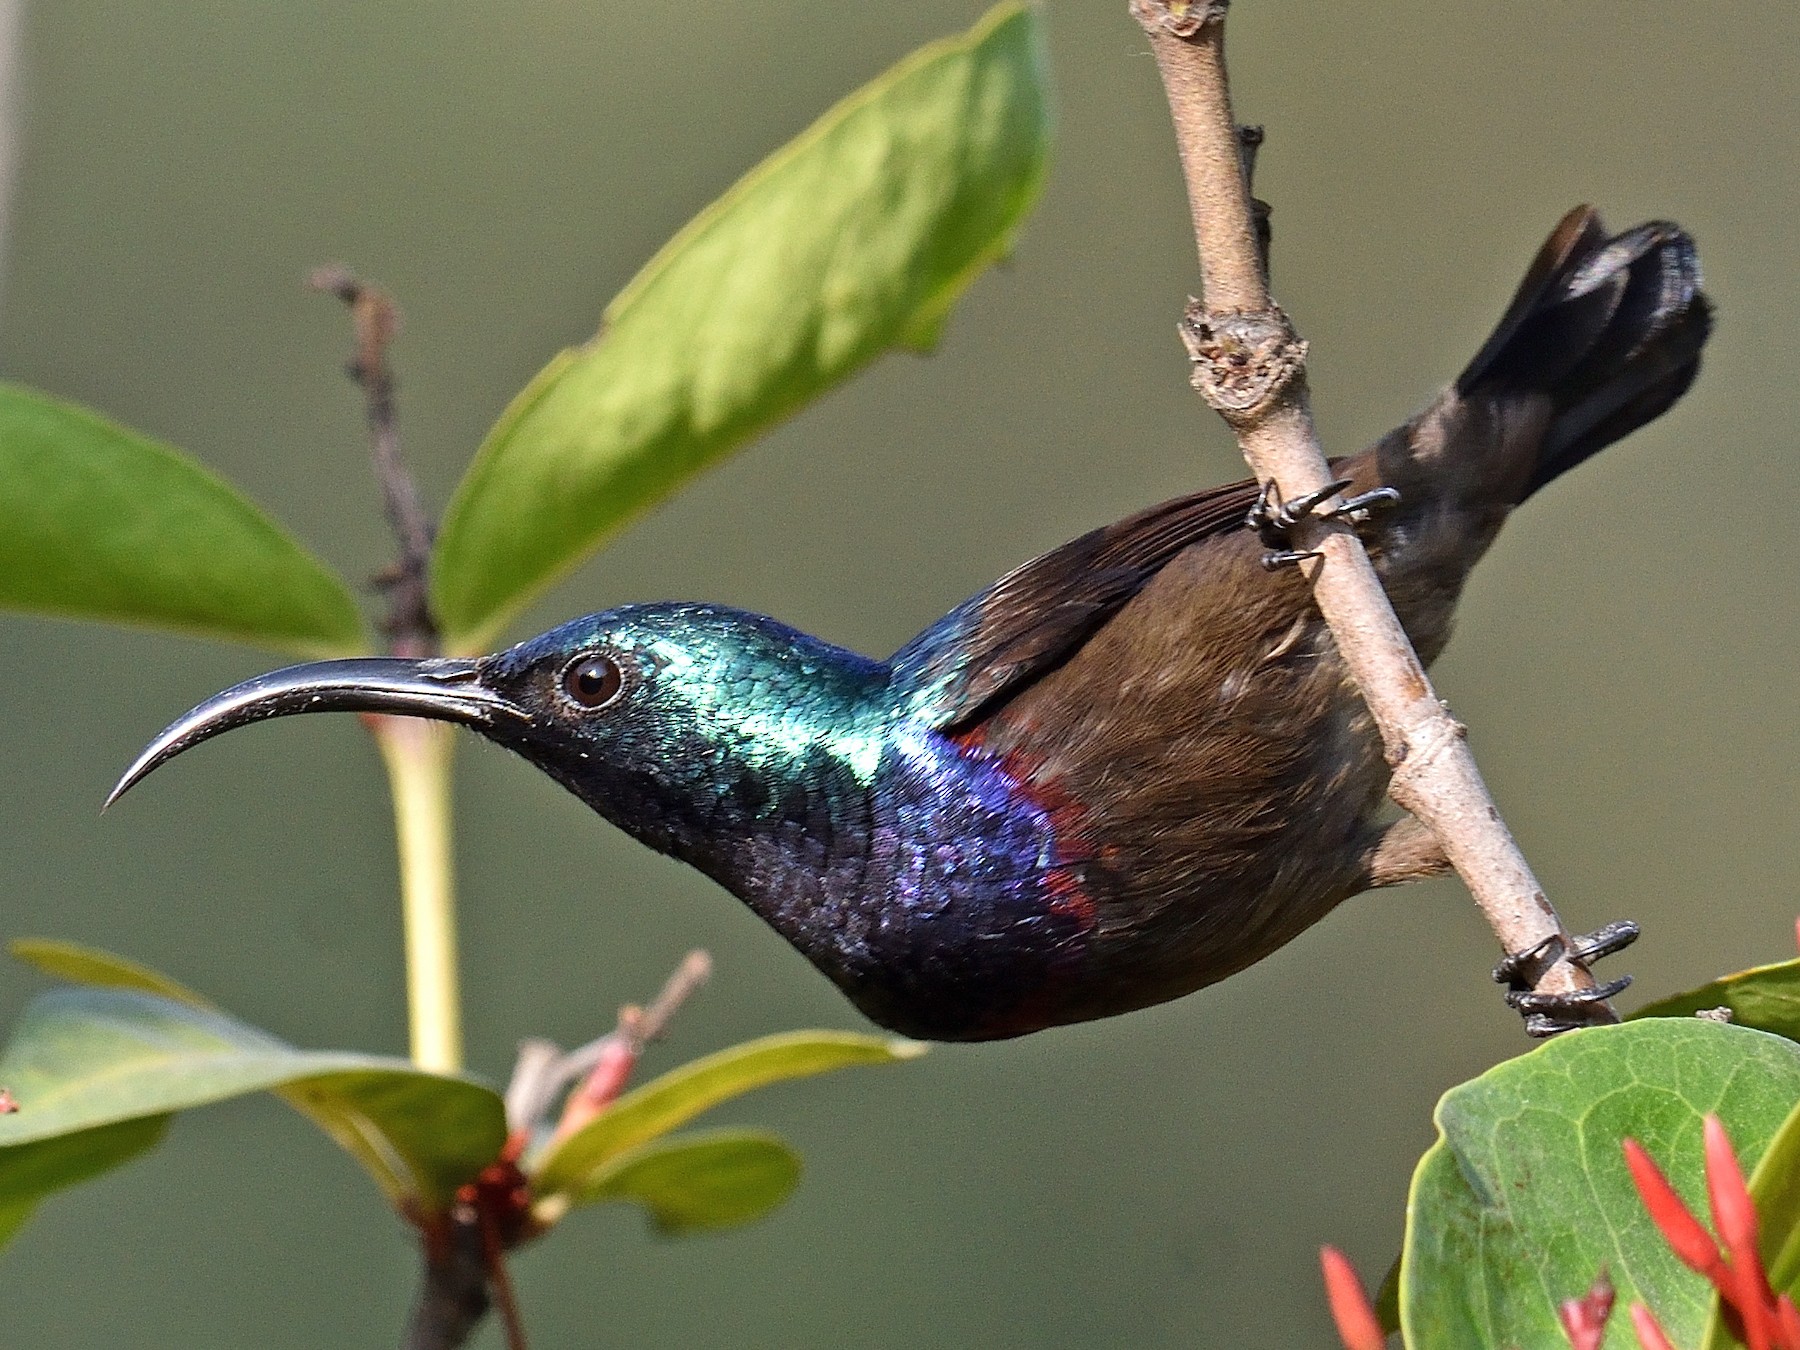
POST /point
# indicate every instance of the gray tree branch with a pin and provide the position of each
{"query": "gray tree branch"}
(1250, 365)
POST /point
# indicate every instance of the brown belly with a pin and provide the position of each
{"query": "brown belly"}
(1230, 778)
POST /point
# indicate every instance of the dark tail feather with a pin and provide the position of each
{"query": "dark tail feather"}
(1610, 329)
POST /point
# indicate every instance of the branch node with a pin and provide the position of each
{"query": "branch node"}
(1179, 18)
(1244, 362)
(1417, 754)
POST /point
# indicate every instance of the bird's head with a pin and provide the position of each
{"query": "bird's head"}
(666, 718)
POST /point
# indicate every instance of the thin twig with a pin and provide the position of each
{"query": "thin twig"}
(12, 23)
(454, 1295)
(605, 1065)
(650, 1023)
(543, 1070)
(465, 1251)
(408, 624)
(500, 1282)
(465, 1268)
(1250, 366)
(1250, 140)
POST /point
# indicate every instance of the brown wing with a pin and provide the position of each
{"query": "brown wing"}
(1031, 619)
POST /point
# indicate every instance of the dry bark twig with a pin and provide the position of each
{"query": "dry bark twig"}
(1250, 366)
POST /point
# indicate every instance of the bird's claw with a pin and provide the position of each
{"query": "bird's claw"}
(1515, 967)
(1272, 518)
(1614, 937)
(1549, 1015)
(1552, 1014)
(1356, 509)
(1277, 558)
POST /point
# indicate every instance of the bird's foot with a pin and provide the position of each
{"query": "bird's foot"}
(1356, 509)
(1272, 518)
(1549, 1015)
(1552, 1014)
(1277, 558)
(1516, 967)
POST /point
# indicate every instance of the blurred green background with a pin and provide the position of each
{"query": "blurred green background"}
(1625, 658)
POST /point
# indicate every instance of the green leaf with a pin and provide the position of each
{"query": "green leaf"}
(13, 1215)
(89, 965)
(1766, 998)
(1387, 1300)
(855, 237)
(671, 1101)
(697, 1182)
(29, 1172)
(1526, 1195)
(96, 1073)
(98, 522)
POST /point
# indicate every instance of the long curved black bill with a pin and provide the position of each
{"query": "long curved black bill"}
(447, 689)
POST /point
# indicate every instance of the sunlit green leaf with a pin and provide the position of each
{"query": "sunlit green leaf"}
(677, 1097)
(95, 1072)
(855, 237)
(1766, 997)
(98, 522)
(1526, 1196)
(695, 1182)
(90, 965)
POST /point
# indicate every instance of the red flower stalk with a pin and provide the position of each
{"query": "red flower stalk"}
(1584, 1319)
(1649, 1331)
(1733, 1214)
(1689, 1241)
(1787, 1321)
(1757, 1317)
(1735, 1218)
(1357, 1325)
(618, 1056)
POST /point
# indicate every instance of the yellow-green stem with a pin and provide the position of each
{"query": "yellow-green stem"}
(417, 754)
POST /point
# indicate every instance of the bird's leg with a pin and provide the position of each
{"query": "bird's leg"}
(1272, 518)
(1550, 1014)
(1406, 851)
(1614, 937)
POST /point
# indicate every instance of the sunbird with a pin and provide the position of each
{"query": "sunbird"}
(1124, 771)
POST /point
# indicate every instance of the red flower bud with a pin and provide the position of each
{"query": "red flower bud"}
(1689, 1241)
(1584, 1318)
(1735, 1218)
(1649, 1331)
(1733, 1214)
(1357, 1325)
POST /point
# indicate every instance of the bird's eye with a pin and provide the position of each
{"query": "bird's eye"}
(593, 681)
